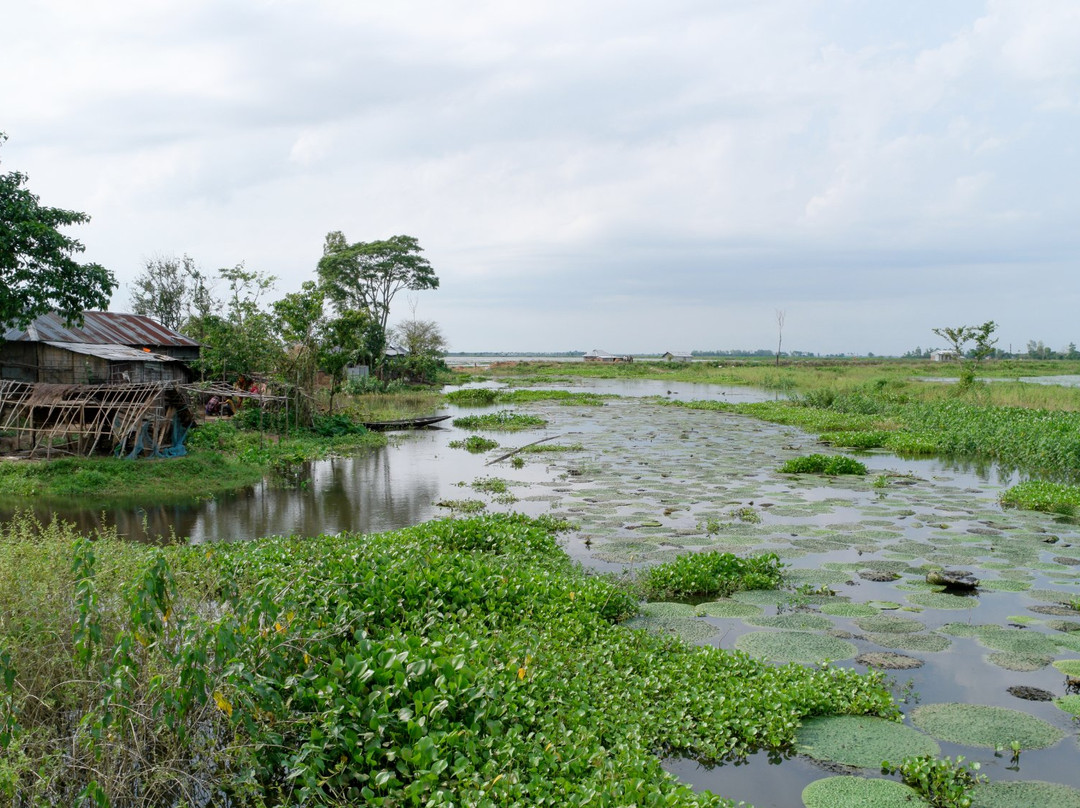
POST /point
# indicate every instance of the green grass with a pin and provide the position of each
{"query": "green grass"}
(415, 667)
(221, 458)
(1039, 495)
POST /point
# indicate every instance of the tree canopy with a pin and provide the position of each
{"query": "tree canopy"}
(368, 275)
(37, 271)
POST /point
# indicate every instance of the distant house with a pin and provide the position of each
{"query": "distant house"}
(108, 348)
(678, 356)
(944, 355)
(597, 355)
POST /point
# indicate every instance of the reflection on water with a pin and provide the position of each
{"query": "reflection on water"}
(381, 489)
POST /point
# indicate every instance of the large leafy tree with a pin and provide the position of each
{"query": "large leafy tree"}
(37, 271)
(368, 275)
(166, 290)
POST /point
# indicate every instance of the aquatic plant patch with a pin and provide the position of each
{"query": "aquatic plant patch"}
(728, 608)
(888, 660)
(795, 646)
(861, 741)
(889, 624)
(1070, 704)
(942, 600)
(1040, 495)
(404, 668)
(929, 643)
(711, 573)
(865, 792)
(980, 725)
(823, 464)
(474, 444)
(1022, 663)
(849, 609)
(501, 421)
(1024, 794)
(796, 621)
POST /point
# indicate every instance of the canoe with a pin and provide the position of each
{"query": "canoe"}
(405, 423)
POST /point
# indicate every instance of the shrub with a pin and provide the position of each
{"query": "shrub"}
(944, 783)
(823, 464)
(711, 573)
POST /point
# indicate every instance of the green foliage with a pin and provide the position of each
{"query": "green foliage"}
(334, 426)
(472, 396)
(37, 271)
(861, 741)
(474, 444)
(1039, 495)
(502, 421)
(864, 792)
(417, 667)
(979, 725)
(711, 574)
(944, 782)
(823, 464)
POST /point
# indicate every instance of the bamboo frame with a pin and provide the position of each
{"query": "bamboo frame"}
(74, 419)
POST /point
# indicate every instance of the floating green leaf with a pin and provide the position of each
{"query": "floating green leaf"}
(981, 725)
(861, 741)
(864, 792)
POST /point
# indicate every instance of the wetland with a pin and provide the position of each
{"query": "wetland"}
(642, 482)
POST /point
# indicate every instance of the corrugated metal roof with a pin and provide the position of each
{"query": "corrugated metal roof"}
(114, 353)
(100, 328)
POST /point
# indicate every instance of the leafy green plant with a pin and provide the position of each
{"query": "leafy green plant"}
(474, 444)
(503, 420)
(711, 574)
(472, 396)
(945, 783)
(823, 464)
(413, 667)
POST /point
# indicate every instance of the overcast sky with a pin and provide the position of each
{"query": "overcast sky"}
(632, 176)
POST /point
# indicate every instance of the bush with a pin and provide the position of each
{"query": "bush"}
(823, 464)
(712, 573)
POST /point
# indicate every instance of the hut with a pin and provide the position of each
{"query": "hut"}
(597, 355)
(678, 356)
(114, 384)
(108, 348)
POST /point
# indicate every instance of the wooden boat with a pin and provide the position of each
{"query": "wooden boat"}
(406, 423)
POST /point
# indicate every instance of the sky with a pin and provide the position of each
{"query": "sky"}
(616, 174)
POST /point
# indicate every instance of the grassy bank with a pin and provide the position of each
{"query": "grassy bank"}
(222, 457)
(461, 662)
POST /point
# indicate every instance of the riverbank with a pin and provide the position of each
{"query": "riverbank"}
(224, 455)
(338, 670)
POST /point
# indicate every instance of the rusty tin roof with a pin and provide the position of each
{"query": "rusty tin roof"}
(100, 328)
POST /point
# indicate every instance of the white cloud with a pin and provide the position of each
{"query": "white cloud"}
(666, 160)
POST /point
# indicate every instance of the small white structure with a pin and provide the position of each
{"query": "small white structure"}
(597, 355)
(678, 356)
(944, 355)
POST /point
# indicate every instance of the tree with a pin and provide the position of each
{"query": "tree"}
(350, 338)
(959, 337)
(419, 337)
(166, 290)
(368, 275)
(780, 334)
(37, 271)
(238, 336)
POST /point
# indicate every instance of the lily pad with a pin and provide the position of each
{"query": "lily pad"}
(798, 621)
(886, 660)
(863, 741)
(849, 609)
(667, 609)
(728, 608)
(795, 646)
(1070, 667)
(838, 792)
(940, 600)
(1024, 794)
(690, 630)
(1070, 704)
(911, 642)
(1022, 663)
(889, 624)
(980, 725)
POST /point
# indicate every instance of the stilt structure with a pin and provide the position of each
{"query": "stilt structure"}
(126, 420)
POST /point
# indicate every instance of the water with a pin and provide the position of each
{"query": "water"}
(652, 481)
